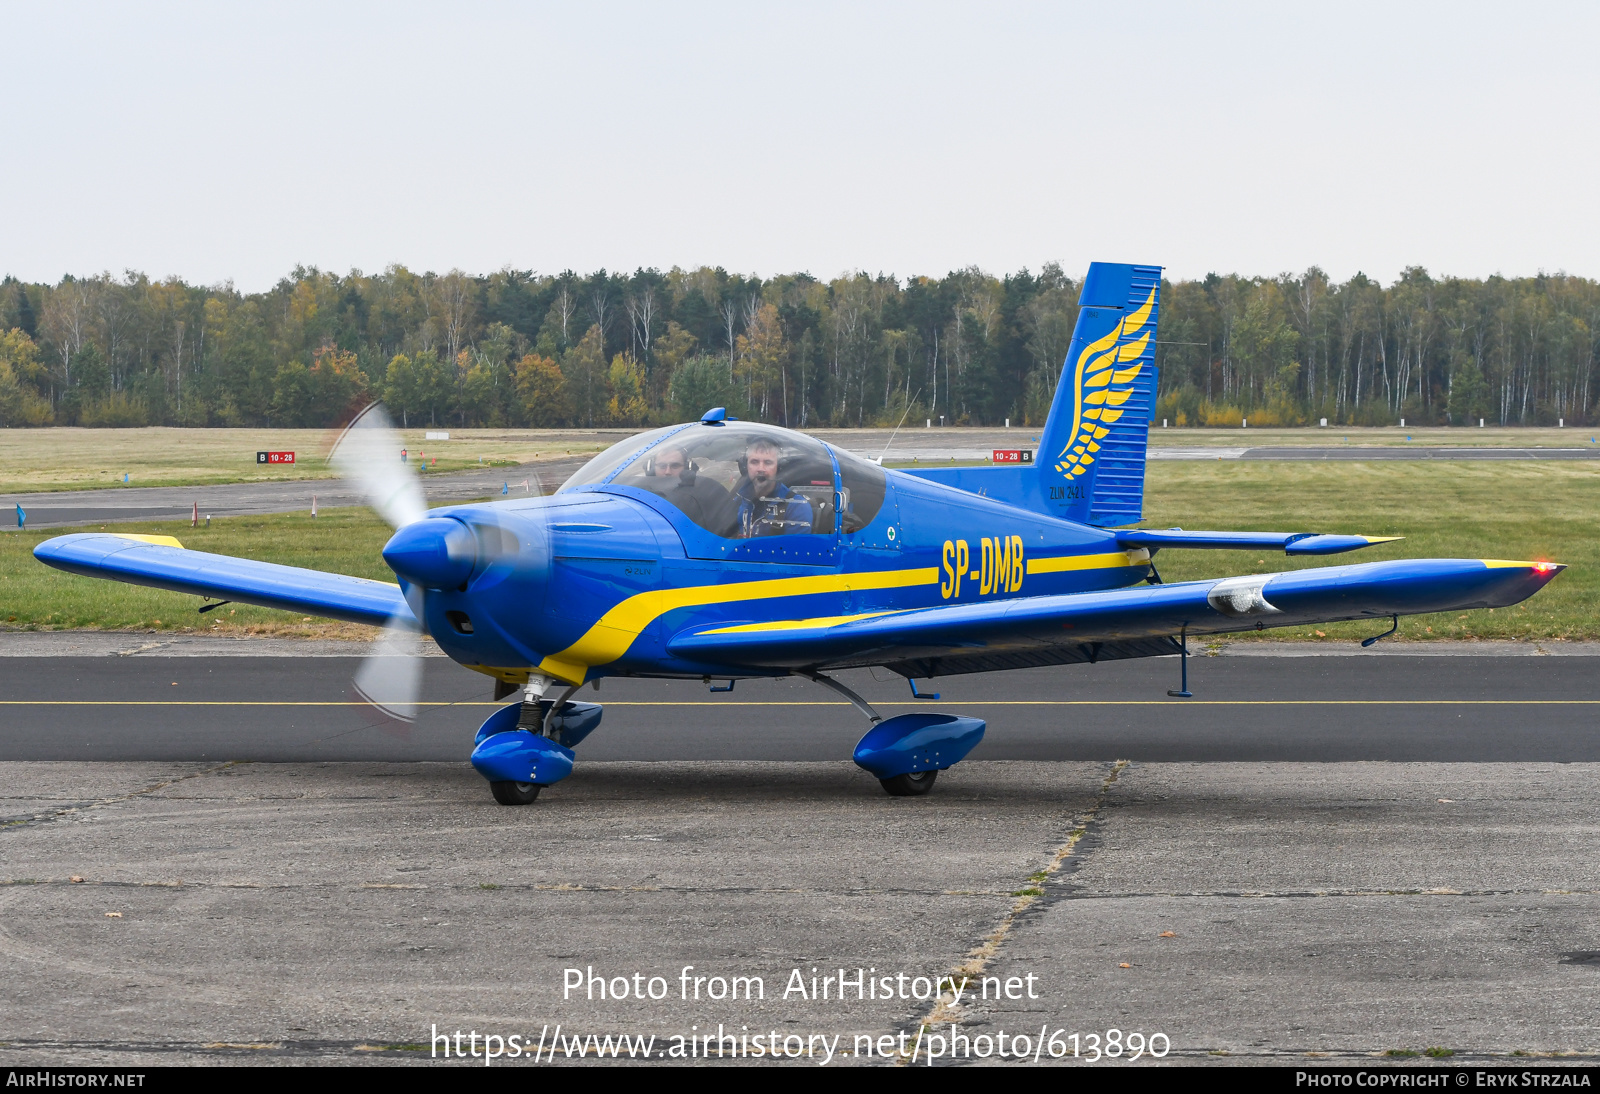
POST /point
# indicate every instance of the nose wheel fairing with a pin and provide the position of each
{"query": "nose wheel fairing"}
(519, 756)
(509, 751)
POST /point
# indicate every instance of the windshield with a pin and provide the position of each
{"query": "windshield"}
(614, 457)
(741, 480)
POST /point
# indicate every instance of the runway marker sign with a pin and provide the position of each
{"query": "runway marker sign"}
(274, 457)
(1013, 455)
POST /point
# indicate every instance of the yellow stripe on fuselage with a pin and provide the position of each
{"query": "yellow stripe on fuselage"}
(1083, 562)
(615, 631)
(796, 624)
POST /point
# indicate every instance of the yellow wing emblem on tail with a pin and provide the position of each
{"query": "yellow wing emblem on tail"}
(1100, 387)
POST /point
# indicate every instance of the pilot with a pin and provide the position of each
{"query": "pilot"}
(768, 507)
(703, 501)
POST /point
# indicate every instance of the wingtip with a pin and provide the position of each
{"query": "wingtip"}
(1541, 566)
(159, 541)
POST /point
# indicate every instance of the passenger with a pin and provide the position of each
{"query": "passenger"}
(768, 507)
(703, 501)
(671, 463)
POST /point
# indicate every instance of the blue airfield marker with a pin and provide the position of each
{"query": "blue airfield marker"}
(506, 489)
(22, 517)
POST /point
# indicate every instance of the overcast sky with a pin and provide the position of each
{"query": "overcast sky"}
(221, 142)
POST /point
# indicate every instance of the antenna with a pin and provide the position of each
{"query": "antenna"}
(896, 432)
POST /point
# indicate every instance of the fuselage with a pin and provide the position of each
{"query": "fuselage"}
(596, 579)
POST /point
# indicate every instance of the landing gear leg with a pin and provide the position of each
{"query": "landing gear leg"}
(926, 743)
(855, 700)
(533, 718)
(555, 708)
(516, 793)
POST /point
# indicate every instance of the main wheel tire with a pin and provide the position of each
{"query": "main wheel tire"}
(509, 793)
(913, 785)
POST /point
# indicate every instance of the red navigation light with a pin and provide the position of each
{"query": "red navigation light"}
(1544, 567)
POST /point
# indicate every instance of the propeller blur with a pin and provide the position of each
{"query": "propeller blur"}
(728, 550)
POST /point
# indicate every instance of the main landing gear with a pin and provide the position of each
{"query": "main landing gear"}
(907, 752)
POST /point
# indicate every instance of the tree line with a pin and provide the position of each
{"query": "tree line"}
(515, 348)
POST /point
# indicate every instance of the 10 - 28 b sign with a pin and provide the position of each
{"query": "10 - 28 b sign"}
(274, 457)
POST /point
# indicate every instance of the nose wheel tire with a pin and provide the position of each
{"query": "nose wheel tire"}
(910, 786)
(509, 793)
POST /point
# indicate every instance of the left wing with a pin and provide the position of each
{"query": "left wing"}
(162, 563)
(1291, 543)
(1136, 622)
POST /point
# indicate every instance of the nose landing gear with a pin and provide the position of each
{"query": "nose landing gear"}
(525, 747)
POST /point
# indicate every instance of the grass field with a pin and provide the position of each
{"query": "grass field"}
(34, 460)
(33, 596)
(1517, 510)
(1386, 437)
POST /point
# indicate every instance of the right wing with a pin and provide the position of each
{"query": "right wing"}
(1136, 621)
(162, 563)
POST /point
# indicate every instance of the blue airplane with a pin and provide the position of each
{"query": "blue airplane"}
(729, 550)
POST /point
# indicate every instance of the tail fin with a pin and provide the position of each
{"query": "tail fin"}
(1091, 454)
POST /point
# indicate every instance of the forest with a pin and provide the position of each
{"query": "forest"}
(516, 348)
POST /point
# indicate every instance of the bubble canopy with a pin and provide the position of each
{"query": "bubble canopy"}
(706, 472)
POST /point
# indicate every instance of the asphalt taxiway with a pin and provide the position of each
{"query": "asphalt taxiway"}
(163, 697)
(167, 895)
(179, 503)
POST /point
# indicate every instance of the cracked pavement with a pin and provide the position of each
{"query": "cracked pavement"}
(307, 912)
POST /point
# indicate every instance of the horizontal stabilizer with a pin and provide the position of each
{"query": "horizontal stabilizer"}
(1291, 543)
(222, 577)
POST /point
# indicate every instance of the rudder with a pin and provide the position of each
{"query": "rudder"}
(1091, 458)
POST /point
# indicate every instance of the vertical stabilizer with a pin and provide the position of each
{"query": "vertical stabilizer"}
(1092, 451)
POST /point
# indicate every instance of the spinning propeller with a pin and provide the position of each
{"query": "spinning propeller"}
(426, 553)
